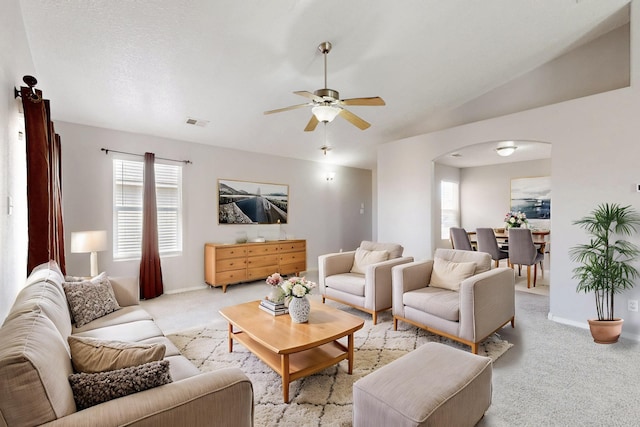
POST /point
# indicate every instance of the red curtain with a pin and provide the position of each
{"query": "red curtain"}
(44, 183)
(150, 269)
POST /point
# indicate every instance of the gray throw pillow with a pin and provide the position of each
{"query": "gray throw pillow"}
(93, 389)
(90, 300)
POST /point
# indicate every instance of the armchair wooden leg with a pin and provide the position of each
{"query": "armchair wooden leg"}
(374, 317)
(395, 324)
(513, 322)
(323, 299)
(474, 348)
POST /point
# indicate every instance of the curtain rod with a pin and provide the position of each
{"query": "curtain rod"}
(106, 151)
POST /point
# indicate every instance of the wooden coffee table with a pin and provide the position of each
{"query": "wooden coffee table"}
(293, 350)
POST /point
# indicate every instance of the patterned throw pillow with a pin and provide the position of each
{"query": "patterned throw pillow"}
(91, 355)
(90, 300)
(92, 389)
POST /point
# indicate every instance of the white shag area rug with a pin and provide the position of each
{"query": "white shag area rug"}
(325, 398)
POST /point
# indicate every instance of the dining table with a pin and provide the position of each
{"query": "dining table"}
(540, 237)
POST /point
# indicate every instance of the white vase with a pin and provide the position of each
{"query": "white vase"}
(299, 309)
(276, 294)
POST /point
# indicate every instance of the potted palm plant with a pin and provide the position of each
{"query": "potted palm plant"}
(606, 264)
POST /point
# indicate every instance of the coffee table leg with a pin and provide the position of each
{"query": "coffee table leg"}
(350, 344)
(230, 337)
(284, 367)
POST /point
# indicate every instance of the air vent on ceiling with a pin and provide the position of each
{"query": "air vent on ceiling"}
(197, 122)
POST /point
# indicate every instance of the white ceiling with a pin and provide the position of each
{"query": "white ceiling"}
(146, 66)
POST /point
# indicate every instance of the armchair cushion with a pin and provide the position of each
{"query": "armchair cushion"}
(441, 303)
(364, 257)
(448, 274)
(351, 283)
(395, 250)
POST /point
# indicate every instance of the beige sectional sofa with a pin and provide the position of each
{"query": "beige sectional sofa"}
(35, 365)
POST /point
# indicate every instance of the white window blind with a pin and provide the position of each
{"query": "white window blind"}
(449, 208)
(127, 208)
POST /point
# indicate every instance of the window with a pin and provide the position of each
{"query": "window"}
(127, 208)
(449, 208)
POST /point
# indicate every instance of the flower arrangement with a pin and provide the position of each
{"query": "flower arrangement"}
(274, 280)
(276, 293)
(297, 287)
(515, 220)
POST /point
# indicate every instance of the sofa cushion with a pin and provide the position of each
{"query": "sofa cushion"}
(90, 300)
(448, 274)
(132, 331)
(34, 367)
(364, 258)
(438, 302)
(129, 314)
(350, 283)
(92, 389)
(92, 355)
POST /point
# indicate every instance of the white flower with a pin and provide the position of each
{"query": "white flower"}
(298, 290)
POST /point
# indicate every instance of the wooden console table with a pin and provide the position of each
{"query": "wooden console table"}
(225, 264)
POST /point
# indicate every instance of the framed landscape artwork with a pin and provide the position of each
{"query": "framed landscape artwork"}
(532, 196)
(244, 202)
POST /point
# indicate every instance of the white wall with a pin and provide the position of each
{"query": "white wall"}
(15, 62)
(485, 192)
(595, 159)
(326, 214)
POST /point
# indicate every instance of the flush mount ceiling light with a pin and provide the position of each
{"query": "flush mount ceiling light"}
(506, 151)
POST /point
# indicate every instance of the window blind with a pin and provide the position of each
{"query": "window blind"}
(127, 208)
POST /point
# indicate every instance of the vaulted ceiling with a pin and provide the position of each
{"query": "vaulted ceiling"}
(147, 66)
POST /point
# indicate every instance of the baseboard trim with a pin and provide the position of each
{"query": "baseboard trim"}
(585, 325)
(192, 288)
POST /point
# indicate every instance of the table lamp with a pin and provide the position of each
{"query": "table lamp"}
(89, 241)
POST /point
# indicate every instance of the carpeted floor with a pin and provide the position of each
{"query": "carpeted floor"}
(325, 397)
(554, 375)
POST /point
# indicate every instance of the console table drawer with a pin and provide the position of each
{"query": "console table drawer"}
(232, 276)
(263, 261)
(231, 264)
(262, 249)
(293, 246)
(294, 268)
(260, 272)
(233, 252)
(293, 257)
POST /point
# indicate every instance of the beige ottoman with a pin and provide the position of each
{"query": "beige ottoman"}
(434, 385)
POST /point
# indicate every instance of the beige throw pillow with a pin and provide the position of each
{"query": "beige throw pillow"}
(448, 275)
(92, 355)
(363, 258)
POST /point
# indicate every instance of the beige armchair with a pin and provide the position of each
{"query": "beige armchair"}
(425, 295)
(361, 278)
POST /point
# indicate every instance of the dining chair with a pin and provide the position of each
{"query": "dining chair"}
(460, 239)
(487, 243)
(522, 251)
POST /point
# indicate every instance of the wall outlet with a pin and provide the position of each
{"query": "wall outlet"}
(632, 305)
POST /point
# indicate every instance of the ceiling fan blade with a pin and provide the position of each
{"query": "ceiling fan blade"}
(309, 95)
(373, 101)
(353, 119)
(293, 107)
(313, 122)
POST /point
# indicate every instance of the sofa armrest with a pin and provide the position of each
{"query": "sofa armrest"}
(408, 277)
(377, 282)
(335, 263)
(487, 301)
(126, 290)
(223, 397)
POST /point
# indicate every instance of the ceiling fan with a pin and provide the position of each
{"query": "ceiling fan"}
(326, 103)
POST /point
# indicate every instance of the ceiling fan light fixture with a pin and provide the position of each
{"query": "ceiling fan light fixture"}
(506, 151)
(325, 113)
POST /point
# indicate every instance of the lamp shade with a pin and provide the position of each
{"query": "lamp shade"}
(88, 241)
(325, 113)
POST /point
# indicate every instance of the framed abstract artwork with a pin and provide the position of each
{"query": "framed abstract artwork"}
(532, 196)
(245, 202)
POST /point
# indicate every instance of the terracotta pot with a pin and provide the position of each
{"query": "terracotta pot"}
(605, 331)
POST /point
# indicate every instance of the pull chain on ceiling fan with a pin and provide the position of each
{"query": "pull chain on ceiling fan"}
(326, 103)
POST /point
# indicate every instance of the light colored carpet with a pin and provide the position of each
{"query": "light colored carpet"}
(325, 398)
